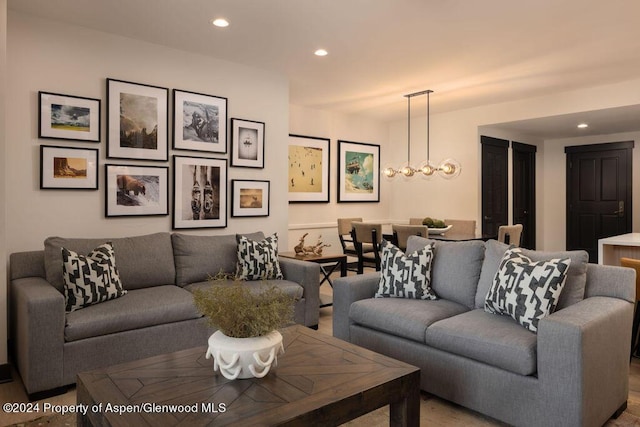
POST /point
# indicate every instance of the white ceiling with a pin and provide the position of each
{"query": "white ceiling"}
(469, 52)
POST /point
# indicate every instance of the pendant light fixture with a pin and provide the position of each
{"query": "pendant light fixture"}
(447, 169)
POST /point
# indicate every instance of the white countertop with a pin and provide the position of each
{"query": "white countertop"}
(629, 239)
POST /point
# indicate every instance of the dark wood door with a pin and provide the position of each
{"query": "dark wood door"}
(524, 192)
(494, 184)
(598, 194)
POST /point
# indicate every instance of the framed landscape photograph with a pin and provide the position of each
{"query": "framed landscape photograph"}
(137, 121)
(199, 122)
(68, 117)
(358, 172)
(136, 190)
(308, 169)
(199, 192)
(247, 143)
(249, 198)
(68, 168)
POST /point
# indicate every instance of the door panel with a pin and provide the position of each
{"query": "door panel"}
(524, 192)
(598, 194)
(494, 184)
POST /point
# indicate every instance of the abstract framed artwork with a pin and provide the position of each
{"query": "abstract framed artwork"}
(137, 121)
(133, 190)
(199, 192)
(358, 172)
(68, 117)
(247, 143)
(308, 169)
(249, 198)
(68, 168)
(199, 122)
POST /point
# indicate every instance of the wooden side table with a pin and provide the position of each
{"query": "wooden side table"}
(328, 264)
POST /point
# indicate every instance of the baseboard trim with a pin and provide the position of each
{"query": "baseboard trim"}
(5, 373)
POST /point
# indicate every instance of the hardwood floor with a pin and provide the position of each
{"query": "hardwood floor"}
(433, 410)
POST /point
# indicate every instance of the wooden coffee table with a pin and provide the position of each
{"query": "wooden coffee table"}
(320, 380)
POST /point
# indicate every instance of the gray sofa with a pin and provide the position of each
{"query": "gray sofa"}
(573, 372)
(155, 316)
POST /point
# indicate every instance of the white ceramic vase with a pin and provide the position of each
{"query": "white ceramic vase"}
(244, 357)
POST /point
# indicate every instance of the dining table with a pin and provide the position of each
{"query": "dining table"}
(451, 235)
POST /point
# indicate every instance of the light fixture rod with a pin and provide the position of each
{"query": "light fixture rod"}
(428, 124)
(409, 131)
(422, 92)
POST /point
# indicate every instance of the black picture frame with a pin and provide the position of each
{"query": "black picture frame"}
(68, 117)
(136, 190)
(308, 164)
(358, 172)
(199, 122)
(250, 198)
(133, 109)
(247, 143)
(68, 168)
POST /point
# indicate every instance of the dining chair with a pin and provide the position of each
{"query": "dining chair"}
(510, 234)
(635, 264)
(402, 232)
(462, 226)
(364, 233)
(344, 234)
(415, 221)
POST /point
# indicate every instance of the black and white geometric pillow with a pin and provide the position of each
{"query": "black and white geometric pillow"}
(258, 260)
(405, 276)
(90, 279)
(525, 290)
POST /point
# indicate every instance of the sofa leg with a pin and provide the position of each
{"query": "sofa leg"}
(39, 395)
(313, 327)
(620, 410)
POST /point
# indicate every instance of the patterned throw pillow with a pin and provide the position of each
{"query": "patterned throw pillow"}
(90, 279)
(258, 260)
(525, 290)
(405, 276)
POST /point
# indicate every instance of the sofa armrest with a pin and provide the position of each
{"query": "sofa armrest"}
(38, 320)
(583, 350)
(307, 275)
(346, 291)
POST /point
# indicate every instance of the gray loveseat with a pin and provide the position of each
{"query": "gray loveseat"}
(573, 372)
(155, 316)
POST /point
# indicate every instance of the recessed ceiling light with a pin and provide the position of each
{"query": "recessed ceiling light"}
(583, 125)
(321, 52)
(220, 22)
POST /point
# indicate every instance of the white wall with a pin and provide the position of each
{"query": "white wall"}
(3, 180)
(321, 218)
(58, 58)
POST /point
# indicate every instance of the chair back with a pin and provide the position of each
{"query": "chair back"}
(415, 221)
(635, 264)
(462, 226)
(401, 233)
(344, 234)
(512, 232)
(364, 233)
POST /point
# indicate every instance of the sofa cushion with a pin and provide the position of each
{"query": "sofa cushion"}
(493, 253)
(290, 288)
(258, 259)
(407, 318)
(526, 290)
(495, 340)
(576, 283)
(137, 309)
(90, 279)
(456, 268)
(405, 276)
(143, 261)
(198, 257)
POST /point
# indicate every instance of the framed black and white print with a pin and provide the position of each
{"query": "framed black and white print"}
(199, 122)
(68, 117)
(133, 190)
(308, 165)
(247, 143)
(199, 192)
(137, 121)
(358, 172)
(249, 198)
(68, 168)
